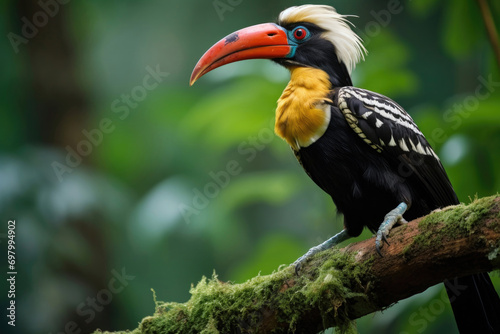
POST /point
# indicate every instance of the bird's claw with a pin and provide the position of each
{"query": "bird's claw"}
(392, 218)
(298, 264)
(297, 268)
(381, 236)
(385, 239)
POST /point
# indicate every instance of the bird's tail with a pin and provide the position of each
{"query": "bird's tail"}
(475, 304)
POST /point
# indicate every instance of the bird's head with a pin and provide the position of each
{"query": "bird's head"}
(308, 36)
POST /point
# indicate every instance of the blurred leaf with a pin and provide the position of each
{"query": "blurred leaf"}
(385, 69)
(243, 190)
(11, 129)
(430, 121)
(157, 213)
(463, 28)
(495, 10)
(271, 187)
(423, 8)
(470, 167)
(478, 113)
(271, 252)
(230, 115)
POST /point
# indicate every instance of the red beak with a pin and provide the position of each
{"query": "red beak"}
(262, 41)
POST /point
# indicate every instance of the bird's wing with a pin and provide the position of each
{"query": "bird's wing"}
(390, 130)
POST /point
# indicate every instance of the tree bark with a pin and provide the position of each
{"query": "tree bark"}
(337, 286)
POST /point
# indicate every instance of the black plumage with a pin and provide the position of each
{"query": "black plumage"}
(366, 184)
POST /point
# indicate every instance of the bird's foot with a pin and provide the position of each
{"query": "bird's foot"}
(392, 218)
(335, 240)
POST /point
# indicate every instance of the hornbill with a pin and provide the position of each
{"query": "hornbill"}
(360, 147)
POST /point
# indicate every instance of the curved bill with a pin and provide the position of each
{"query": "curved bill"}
(261, 41)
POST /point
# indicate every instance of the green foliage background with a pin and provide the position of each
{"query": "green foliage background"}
(135, 202)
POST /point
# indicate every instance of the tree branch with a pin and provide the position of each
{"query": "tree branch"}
(337, 286)
(491, 30)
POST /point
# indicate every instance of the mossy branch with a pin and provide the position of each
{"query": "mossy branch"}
(337, 286)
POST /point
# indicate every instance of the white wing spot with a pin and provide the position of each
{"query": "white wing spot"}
(367, 114)
(403, 146)
(420, 148)
(413, 147)
(389, 111)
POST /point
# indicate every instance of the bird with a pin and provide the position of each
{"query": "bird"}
(360, 147)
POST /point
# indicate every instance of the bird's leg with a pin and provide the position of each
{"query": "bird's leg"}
(392, 218)
(335, 240)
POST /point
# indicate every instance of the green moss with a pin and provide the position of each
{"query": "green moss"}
(458, 220)
(211, 327)
(465, 217)
(135, 331)
(493, 254)
(220, 307)
(337, 279)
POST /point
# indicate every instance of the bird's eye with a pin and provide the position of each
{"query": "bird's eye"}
(300, 34)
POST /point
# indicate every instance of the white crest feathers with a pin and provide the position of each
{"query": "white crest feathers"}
(350, 49)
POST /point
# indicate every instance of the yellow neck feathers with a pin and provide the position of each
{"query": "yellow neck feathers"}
(302, 115)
